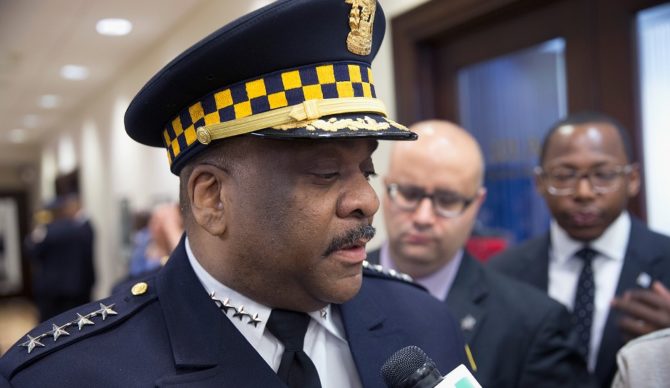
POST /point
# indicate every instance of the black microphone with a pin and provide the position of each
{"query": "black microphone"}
(410, 367)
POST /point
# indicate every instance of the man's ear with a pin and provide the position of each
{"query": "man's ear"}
(206, 191)
(634, 181)
(540, 187)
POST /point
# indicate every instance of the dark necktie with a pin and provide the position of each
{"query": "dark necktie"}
(582, 313)
(296, 368)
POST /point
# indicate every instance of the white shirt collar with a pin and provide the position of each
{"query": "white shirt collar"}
(253, 334)
(611, 244)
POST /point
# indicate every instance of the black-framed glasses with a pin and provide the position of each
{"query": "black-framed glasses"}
(564, 180)
(446, 204)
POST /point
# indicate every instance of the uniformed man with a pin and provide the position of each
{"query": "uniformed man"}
(270, 123)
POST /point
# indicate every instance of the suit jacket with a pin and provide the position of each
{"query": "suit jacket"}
(647, 252)
(170, 333)
(519, 337)
(63, 260)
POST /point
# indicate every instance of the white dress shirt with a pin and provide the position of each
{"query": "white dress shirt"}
(564, 270)
(325, 340)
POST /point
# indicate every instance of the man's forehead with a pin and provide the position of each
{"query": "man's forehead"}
(592, 138)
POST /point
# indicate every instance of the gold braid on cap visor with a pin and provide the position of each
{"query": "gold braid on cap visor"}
(283, 100)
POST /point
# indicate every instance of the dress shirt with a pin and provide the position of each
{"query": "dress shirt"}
(564, 270)
(438, 283)
(325, 340)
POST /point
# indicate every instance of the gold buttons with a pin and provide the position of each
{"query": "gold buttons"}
(139, 288)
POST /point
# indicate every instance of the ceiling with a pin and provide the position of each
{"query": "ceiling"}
(38, 37)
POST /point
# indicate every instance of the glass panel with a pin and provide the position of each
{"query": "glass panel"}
(653, 29)
(508, 103)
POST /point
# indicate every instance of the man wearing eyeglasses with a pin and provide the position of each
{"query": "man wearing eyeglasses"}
(596, 255)
(517, 336)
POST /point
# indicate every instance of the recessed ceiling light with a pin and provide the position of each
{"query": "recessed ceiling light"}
(113, 27)
(74, 72)
(49, 101)
(17, 135)
(31, 121)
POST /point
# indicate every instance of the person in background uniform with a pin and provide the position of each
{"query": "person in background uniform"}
(62, 259)
(518, 336)
(270, 123)
(595, 254)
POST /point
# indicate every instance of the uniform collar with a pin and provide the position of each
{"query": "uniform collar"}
(247, 315)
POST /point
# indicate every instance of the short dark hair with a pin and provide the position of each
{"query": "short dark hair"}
(588, 117)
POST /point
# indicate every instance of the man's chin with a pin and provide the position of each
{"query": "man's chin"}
(419, 255)
(585, 234)
(346, 289)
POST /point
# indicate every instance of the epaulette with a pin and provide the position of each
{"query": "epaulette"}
(75, 325)
(378, 271)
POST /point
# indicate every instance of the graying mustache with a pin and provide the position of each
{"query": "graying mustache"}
(352, 237)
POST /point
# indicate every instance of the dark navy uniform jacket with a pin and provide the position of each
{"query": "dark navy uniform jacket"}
(63, 261)
(174, 335)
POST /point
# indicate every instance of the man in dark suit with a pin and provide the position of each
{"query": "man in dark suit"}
(270, 123)
(62, 260)
(586, 176)
(518, 336)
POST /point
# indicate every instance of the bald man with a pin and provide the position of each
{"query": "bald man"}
(517, 336)
(586, 177)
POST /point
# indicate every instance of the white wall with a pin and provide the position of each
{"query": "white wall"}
(654, 53)
(113, 167)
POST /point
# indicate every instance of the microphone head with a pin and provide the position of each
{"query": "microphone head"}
(410, 367)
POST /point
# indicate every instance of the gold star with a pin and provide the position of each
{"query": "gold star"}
(57, 331)
(83, 321)
(106, 310)
(32, 343)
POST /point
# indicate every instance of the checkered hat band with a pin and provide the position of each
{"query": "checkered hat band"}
(276, 90)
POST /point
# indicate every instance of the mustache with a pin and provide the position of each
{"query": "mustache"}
(352, 237)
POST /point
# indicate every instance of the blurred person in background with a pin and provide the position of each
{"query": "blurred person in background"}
(62, 260)
(157, 234)
(597, 259)
(518, 336)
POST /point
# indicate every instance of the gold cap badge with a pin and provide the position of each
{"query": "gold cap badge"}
(361, 20)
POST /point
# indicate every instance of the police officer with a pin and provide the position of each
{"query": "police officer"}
(270, 123)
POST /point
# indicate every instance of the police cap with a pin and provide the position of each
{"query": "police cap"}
(292, 69)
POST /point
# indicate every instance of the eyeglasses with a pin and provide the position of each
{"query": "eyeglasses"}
(564, 180)
(445, 203)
